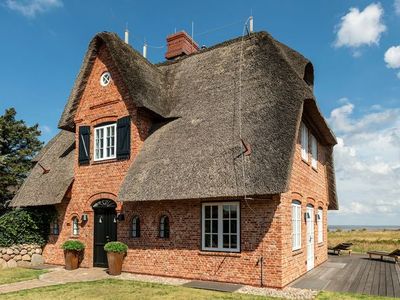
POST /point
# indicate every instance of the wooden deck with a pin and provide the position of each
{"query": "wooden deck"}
(354, 274)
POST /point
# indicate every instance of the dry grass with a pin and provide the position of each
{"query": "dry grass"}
(364, 241)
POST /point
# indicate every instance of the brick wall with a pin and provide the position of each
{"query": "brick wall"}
(265, 223)
(308, 186)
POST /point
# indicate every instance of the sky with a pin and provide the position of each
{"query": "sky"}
(354, 47)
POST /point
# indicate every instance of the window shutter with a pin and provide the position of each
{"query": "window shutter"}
(124, 138)
(84, 145)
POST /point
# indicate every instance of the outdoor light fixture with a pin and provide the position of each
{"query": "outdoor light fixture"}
(120, 217)
(85, 217)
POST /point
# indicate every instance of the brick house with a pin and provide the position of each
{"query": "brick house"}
(214, 165)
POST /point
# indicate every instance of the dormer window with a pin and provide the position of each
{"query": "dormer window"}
(104, 145)
(105, 79)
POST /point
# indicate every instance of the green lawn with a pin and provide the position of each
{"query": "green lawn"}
(19, 274)
(124, 289)
(121, 290)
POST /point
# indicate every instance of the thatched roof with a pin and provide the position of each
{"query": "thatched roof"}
(49, 187)
(145, 83)
(198, 155)
(253, 89)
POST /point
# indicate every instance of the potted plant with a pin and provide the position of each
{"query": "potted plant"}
(116, 252)
(72, 251)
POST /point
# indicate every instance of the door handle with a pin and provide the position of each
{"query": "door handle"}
(107, 238)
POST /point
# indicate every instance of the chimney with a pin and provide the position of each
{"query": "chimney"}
(180, 44)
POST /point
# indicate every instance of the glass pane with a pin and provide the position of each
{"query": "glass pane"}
(207, 212)
(233, 241)
(214, 226)
(226, 241)
(225, 226)
(214, 241)
(225, 213)
(233, 226)
(234, 211)
(207, 240)
(215, 212)
(207, 226)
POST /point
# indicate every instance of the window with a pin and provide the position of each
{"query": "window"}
(54, 229)
(314, 152)
(320, 222)
(296, 225)
(304, 141)
(75, 226)
(135, 227)
(164, 227)
(104, 146)
(221, 226)
(105, 79)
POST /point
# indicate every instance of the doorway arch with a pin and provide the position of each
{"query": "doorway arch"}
(104, 229)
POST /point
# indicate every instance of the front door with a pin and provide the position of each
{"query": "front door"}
(105, 230)
(310, 237)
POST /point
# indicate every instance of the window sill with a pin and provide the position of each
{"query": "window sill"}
(104, 161)
(305, 161)
(219, 253)
(297, 252)
(315, 169)
(75, 237)
(320, 244)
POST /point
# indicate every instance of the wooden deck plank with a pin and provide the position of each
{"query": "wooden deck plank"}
(357, 279)
(368, 285)
(364, 277)
(356, 274)
(396, 280)
(389, 280)
(382, 280)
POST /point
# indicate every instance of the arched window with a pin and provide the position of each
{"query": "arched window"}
(296, 225)
(136, 227)
(164, 227)
(54, 228)
(75, 226)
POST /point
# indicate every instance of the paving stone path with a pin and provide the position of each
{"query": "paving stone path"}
(58, 275)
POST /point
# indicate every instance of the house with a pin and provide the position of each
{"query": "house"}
(214, 165)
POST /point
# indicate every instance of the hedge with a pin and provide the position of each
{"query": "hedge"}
(26, 226)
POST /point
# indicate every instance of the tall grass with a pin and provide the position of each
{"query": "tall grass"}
(363, 240)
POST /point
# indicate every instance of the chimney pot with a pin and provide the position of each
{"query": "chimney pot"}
(180, 44)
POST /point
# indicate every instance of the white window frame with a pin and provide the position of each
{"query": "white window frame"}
(103, 142)
(75, 226)
(320, 225)
(296, 225)
(304, 141)
(314, 152)
(220, 219)
(105, 79)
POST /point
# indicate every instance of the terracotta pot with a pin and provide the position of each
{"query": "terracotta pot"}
(115, 261)
(71, 259)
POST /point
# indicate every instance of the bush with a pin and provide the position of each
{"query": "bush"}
(73, 245)
(117, 247)
(26, 226)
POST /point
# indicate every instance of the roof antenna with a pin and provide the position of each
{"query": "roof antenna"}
(192, 34)
(126, 34)
(145, 49)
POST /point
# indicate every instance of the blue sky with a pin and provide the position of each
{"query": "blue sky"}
(354, 46)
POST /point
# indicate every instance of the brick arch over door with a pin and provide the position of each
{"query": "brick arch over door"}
(104, 195)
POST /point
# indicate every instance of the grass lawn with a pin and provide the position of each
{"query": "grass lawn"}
(364, 241)
(348, 296)
(124, 289)
(18, 274)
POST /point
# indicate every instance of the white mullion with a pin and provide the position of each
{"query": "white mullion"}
(220, 227)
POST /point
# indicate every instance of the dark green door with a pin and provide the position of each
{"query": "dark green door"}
(105, 230)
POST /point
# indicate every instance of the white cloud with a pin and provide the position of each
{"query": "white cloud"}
(358, 28)
(30, 8)
(397, 6)
(398, 75)
(367, 161)
(392, 57)
(45, 129)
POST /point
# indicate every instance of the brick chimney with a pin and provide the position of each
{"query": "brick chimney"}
(180, 44)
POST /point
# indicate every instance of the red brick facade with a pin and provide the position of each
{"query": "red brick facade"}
(265, 223)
